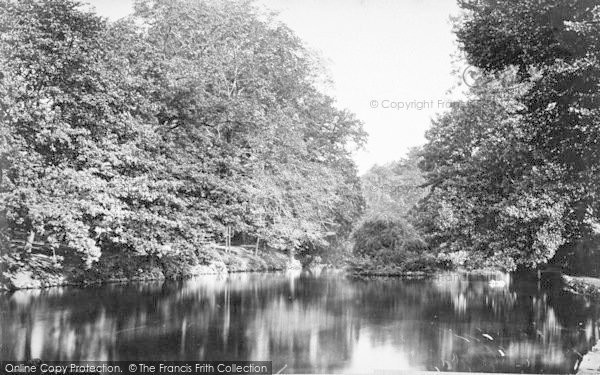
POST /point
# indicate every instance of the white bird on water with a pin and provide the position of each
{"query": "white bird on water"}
(497, 283)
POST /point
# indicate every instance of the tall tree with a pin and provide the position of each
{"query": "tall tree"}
(514, 169)
(152, 135)
(278, 149)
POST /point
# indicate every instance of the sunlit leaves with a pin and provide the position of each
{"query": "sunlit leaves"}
(153, 135)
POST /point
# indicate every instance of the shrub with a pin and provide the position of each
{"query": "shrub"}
(391, 234)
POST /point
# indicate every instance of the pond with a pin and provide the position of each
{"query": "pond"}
(309, 324)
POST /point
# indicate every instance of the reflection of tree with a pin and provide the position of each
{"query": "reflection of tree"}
(309, 324)
(452, 319)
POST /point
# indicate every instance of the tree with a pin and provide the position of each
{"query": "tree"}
(61, 105)
(392, 193)
(394, 189)
(513, 169)
(280, 149)
(152, 135)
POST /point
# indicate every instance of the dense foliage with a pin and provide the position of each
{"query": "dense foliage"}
(514, 169)
(392, 190)
(160, 134)
(154, 135)
(395, 235)
(385, 239)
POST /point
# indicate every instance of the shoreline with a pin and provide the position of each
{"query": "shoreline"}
(87, 284)
(586, 286)
(590, 364)
(116, 269)
(242, 260)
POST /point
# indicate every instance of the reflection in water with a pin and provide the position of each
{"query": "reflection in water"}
(311, 324)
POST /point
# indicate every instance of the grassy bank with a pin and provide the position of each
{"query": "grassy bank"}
(41, 271)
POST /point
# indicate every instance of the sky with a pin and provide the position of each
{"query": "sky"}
(390, 62)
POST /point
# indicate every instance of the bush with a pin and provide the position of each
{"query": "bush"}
(384, 246)
(391, 234)
(425, 262)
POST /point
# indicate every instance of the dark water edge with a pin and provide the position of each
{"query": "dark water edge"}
(39, 270)
(309, 323)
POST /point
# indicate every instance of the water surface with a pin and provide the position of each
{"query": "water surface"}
(309, 324)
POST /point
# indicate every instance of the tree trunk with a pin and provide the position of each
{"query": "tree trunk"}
(30, 239)
(4, 237)
(5, 247)
(228, 239)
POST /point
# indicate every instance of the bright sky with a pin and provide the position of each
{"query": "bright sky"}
(390, 62)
